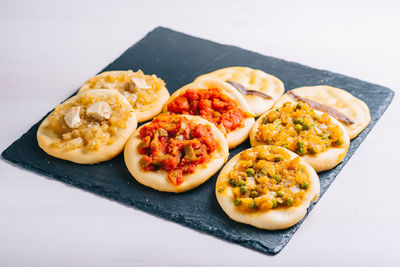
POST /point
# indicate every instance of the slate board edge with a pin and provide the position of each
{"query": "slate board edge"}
(180, 219)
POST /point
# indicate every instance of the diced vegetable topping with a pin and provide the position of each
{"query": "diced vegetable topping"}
(212, 105)
(300, 129)
(176, 145)
(272, 184)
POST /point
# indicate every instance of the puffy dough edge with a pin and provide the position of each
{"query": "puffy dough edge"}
(237, 136)
(159, 179)
(257, 104)
(320, 162)
(274, 219)
(77, 155)
(361, 108)
(153, 109)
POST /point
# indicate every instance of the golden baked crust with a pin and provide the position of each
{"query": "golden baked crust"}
(238, 135)
(341, 100)
(272, 218)
(158, 179)
(92, 141)
(147, 98)
(251, 79)
(321, 161)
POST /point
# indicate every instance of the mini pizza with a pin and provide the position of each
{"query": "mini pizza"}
(146, 93)
(317, 137)
(350, 111)
(268, 187)
(88, 128)
(175, 153)
(260, 90)
(217, 102)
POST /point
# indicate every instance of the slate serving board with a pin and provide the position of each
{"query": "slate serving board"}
(178, 59)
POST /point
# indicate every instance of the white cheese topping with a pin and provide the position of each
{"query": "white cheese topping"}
(99, 110)
(72, 118)
(140, 83)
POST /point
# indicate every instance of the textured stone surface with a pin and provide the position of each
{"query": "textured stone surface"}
(178, 59)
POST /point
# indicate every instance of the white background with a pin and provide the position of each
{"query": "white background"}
(48, 49)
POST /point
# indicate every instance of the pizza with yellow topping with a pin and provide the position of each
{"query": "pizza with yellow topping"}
(316, 136)
(268, 187)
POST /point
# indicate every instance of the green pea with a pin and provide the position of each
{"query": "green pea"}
(277, 158)
(277, 178)
(298, 127)
(316, 117)
(237, 201)
(306, 126)
(280, 193)
(265, 120)
(300, 151)
(300, 144)
(274, 203)
(298, 121)
(232, 182)
(324, 136)
(241, 183)
(254, 194)
(252, 205)
(298, 106)
(289, 201)
(250, 172)
(243, 189)
(338, 142)
(305, 186)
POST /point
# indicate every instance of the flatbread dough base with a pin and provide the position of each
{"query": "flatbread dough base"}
(105, 152)
(320, 162)
(237, 136)
(339, 99)
(251, 79)
(273, 219)
(154, 108)
(159, 179)
(150, 111)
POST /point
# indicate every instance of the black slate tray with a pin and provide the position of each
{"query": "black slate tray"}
(178, 59)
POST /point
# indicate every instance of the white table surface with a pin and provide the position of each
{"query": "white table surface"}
(49, 49)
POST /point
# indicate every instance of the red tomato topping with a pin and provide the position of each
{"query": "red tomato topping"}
(210, 104)
(176, 145)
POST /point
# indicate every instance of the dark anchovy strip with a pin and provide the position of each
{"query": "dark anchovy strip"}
(324, 108)
(244, 91)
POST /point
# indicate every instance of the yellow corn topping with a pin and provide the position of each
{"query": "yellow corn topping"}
(138, 97)
(300, 129)
(267, 179)
(91, 133)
